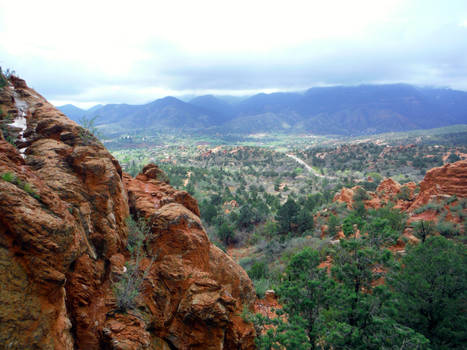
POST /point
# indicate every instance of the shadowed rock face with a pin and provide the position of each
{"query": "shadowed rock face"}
(63, 204)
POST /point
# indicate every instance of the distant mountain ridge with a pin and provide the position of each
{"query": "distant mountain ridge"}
(345, 110)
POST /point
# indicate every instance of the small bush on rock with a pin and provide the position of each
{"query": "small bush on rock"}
(128, 287)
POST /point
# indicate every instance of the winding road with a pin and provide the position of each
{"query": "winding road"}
(309, 168)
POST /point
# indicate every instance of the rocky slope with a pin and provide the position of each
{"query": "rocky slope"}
(63, 238)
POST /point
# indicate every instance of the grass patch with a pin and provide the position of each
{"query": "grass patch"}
(4, 121)
(25, 186)
(261, 286)
(9, 177)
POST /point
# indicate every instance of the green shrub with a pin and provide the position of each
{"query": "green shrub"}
(226, 234)
(246, 315)
(333, 225)
(369, 186)
(9, 177)
(246, 262)
(4, 121)
(296, 244)
(360, 195)
(258, 270)
(447, 229)
(404, 194)
(25, 186)
(28, 189)
(429, 206)
(451, 199)
(261, 286)
(137, 232)
(89, 134)
(3, 78)
(423, 229)
(128, 287)
(453, 158)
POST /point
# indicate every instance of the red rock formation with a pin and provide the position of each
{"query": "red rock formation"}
(268, 304)
(63, 205)
(268, 307)
(65, 200)
(450, 179)
(387, 191)
(388, 188)
(438, 185)
(202, 289)
(346, 196)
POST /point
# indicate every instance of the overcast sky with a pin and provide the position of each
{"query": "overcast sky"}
(88, 52)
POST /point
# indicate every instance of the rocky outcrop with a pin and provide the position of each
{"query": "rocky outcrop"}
(268, 305)
(200, 291)
(448, 180)
(388, 188)
(63, 205)
(438, 189)
(346, 196)
(61, 199)
(387, 191)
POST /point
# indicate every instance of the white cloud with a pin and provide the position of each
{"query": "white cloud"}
(125, 51)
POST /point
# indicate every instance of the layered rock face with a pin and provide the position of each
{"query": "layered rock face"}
(448, 180)
(63, 204)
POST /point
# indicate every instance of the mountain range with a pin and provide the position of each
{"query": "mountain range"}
(344, 110)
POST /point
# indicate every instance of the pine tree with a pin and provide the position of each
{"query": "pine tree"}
(431, 291)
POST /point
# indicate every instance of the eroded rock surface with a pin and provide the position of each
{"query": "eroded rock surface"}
(200, 290)
(448, 180)
(63, 205)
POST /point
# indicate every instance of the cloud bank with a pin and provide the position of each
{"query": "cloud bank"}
(118, 51)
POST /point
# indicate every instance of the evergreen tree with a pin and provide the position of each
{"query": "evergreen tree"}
(305, 290)
(304, 221)
(423, 229)
(208, 212)
(225, 233)
(286, 216)
(431, 292)
(333, 223)
(356, 317)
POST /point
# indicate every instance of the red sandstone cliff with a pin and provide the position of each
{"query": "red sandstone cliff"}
(63, 204)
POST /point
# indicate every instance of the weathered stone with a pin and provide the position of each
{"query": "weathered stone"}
(63, 245)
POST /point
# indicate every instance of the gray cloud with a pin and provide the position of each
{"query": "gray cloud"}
(421, 45)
